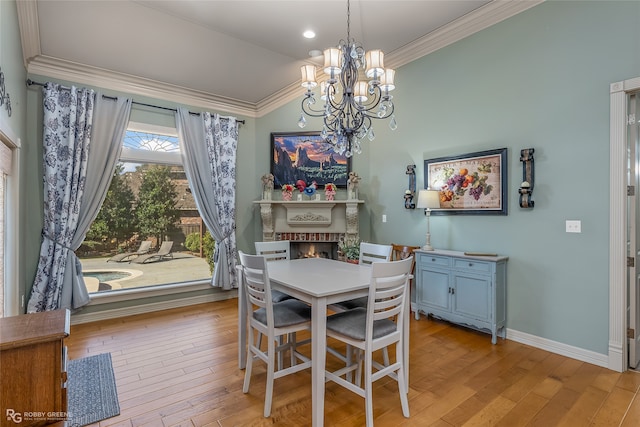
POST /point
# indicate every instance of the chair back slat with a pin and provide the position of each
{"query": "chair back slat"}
(388, 291)
(274, 251)
(256, 283)
(374, 252)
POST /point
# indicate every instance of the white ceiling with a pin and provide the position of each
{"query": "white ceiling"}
(236, 52)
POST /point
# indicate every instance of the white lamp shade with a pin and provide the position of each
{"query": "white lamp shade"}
(428, 199)
(332, 61)
(308, 76)
(375, 62)
(386, 80)
(360, 91)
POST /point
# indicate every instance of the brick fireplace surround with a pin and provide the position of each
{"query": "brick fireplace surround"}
(310, 221)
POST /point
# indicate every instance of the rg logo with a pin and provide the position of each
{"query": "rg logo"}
(14, 416)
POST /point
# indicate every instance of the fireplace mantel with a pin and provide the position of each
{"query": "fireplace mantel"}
(309, 220)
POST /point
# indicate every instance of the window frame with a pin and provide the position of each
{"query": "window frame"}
(167, 159)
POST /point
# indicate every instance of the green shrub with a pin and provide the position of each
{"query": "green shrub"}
(192, 242)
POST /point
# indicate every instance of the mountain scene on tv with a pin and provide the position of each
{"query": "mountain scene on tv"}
(307, 158)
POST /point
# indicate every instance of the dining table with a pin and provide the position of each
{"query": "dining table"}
(319, 282)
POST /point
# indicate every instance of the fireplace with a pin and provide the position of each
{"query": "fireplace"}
(313, 227)
(314, 250)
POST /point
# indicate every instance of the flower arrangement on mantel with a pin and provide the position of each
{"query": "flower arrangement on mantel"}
(349, 250)
(287, 192)
(330, 191)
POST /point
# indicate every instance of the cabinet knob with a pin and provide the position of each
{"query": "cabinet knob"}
(433, 260)
(470, 264)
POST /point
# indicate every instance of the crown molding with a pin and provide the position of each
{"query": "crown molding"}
(481, 18)
(94, 76)
(465, 26)
(29, 30)
(484, 17)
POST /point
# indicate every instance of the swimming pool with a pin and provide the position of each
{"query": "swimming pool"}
(105, 276)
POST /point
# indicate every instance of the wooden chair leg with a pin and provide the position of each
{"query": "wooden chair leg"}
(271, 365)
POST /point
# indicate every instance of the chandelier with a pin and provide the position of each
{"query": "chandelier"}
(350, 101)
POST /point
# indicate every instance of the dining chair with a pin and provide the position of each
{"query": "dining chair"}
(399, 252)
(373, 252)
(369, 253)
(376, 327)
(276, 250)
(271, 320)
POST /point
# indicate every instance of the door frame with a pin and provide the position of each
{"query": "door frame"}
(618, 344)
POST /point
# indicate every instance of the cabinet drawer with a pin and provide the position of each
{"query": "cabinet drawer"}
(472, 265)
(425, 260)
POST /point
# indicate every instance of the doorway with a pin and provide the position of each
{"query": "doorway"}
(619, 158)
(633, 230)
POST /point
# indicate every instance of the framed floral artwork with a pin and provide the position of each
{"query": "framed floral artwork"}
(306, 156)
(473, 183)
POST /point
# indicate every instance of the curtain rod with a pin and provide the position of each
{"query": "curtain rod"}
(32, 82)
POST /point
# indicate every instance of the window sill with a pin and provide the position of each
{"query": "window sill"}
(108, 297)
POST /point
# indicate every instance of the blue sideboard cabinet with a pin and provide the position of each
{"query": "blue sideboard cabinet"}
(469, 290)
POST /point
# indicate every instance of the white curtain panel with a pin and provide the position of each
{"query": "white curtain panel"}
(209, 146)
(82, 140)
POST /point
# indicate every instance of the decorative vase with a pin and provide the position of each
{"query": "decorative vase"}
(286, 195)
(329, 196)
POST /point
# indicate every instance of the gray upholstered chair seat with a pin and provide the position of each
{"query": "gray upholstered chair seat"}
(277, 296)
(352, 303)
(285, 313)
(352, 323)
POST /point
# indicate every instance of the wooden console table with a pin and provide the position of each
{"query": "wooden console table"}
(33, 368)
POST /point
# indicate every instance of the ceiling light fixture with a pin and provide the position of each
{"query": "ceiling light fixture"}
(349, 103)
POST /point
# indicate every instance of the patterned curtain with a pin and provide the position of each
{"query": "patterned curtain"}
(209, 144)
(74, 120)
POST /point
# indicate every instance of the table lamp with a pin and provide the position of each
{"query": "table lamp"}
(428, 199)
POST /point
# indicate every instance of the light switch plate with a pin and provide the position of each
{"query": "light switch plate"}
(573, 226)
(384, 218)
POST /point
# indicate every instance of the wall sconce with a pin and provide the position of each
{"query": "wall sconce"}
(5, 99)
(526, 188)
(428, 199)
(411, 192)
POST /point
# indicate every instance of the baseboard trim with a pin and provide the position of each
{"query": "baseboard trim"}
(559, 348)
(79, 318)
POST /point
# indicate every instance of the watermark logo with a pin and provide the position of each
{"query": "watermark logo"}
(14, 416)
(18, 417)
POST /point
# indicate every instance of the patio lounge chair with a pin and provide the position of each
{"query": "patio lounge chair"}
(163, 252)
(145, 247)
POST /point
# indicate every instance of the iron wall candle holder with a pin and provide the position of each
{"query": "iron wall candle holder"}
(5, 99)
(411, 192)
(526, 188)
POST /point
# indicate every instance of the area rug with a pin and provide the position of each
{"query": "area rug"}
(91, 390)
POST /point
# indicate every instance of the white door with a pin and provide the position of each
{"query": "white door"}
(633, 241)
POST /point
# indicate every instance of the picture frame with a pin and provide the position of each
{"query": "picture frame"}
(469, 184)
(308, 157)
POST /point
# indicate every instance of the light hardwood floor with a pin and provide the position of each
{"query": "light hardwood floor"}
(179, 368)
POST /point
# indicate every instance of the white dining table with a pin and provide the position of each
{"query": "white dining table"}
(319, 282)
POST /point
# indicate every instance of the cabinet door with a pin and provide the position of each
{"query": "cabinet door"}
(433, 289)
(472, 296)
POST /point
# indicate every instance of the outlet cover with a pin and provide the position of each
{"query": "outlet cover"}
(574, 226)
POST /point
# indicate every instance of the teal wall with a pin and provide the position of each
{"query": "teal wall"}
(539, 79)
(16, 125)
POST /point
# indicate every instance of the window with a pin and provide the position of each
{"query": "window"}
(9, 224)
(149, 200)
